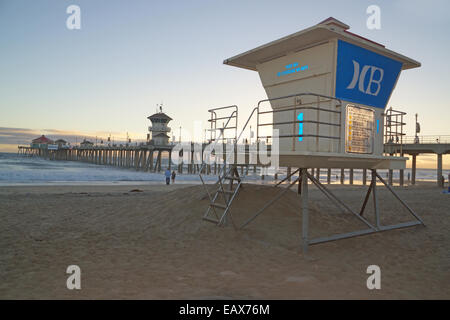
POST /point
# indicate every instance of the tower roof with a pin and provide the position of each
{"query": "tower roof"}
(326, 30)
(42, 139)
(86, 142)
(161, 135)
(336, 22)
(159, 115)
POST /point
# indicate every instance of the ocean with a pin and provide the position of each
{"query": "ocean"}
(19, 169)
(22, 170)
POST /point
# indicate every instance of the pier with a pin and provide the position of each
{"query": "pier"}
(148, 158)
(141, 158)
(414, 146)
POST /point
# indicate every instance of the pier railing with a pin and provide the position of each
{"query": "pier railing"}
(427, 139)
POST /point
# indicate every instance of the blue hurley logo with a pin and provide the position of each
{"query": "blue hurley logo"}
(292, 68)
(360, 77)
(363, 76)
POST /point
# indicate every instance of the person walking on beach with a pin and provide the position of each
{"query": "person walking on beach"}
(173, 176)
(167, 174)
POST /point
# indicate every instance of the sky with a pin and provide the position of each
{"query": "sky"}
(107, 78)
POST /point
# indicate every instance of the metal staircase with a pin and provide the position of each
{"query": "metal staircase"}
(220, 199)
(228, 184)
(229, 181)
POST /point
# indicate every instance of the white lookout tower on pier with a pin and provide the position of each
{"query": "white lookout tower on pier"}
(159, 130)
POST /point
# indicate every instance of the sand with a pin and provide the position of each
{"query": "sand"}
(154, 245)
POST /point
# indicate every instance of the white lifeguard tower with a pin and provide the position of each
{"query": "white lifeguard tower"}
(159, 130)
(328, 89)
(327, 92)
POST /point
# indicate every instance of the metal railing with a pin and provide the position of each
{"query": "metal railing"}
(393, 127)
(215, 139)
(426, 139)
(299, 106)
(159, 128)
(213, 122)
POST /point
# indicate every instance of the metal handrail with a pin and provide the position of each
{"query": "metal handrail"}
(299, 95)
(295, 108)
(234, 115)
(237, 139)
(258, 112)
(214, 119)
(394, 127)
(428, 139)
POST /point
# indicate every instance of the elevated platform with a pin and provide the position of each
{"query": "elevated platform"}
(307, 159)
(338, 160)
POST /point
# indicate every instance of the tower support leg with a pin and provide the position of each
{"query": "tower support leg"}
(305, 211)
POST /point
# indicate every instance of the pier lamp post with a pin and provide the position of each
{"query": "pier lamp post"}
(416, 138)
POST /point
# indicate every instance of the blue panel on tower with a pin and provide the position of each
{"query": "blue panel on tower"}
(363, 76)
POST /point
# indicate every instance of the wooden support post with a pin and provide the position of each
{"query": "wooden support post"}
(413, 169)
(170, 159)
(158, 161)
(364, 178)
(439, 171)
(144, 160)
(342, 176)
(150, 161)
(351, 176)
(137, 159)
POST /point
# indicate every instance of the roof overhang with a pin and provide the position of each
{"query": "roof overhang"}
(159, 115)
(308, 38)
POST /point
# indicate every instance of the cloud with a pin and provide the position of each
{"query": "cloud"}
(10, 138)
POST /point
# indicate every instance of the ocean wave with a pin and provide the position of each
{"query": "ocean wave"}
(20, 169)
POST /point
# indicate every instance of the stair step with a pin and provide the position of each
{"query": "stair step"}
(222, 206)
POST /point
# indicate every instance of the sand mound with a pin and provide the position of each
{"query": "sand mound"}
(179, 213)
(154, 244)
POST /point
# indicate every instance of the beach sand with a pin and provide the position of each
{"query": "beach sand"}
(154, 245)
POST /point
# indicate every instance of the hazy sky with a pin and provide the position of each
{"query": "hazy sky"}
(131, 55)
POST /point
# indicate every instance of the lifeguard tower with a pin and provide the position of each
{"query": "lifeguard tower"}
(327, 92)
(159, 129)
